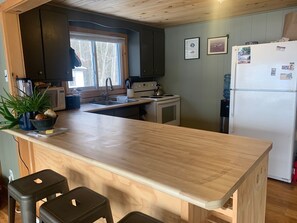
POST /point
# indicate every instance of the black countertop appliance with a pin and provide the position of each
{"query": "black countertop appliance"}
(72, 102)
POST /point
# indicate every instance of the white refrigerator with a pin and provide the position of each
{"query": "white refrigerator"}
(263, 100)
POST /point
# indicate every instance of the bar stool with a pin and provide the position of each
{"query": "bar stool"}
(80, 205)
(138, 217)
(32, 188)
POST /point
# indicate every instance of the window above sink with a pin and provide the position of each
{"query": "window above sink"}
(102, 54)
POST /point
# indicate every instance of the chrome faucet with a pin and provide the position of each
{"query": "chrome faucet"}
(106, 87)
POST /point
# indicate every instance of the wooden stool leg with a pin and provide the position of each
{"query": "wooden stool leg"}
(11, 209)
(28, 209)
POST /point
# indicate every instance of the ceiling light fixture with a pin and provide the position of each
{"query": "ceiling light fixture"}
(220, 1)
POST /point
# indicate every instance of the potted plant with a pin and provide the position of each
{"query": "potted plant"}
(17, 109)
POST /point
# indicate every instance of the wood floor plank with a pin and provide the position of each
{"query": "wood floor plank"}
(281, 203)
(3, 209)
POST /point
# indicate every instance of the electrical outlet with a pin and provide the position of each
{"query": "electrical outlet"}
(11, 176)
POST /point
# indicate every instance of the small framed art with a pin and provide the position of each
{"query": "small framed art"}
(192, 48)
(217, 45)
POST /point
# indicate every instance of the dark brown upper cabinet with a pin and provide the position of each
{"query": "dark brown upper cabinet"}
(146, 44)
(46, 44)
(159, 53)
(147, 52)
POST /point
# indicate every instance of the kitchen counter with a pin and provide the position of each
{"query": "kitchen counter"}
(92, 107)
(169, 172)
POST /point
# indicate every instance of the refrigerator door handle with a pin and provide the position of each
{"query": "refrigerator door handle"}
(233, 90)
(233, 103)
(235, 75)
(231, 116)
(234, 68)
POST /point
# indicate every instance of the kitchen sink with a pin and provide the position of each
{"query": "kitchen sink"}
(131, 100)
(110, 102)
(107, 102)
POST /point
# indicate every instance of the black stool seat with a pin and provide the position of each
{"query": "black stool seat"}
(32, 188)
(80, 205)
(138, 217)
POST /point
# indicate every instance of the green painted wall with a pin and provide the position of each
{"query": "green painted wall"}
(200, 82)
(8, 152)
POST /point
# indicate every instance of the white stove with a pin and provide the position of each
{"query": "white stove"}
(161, 98)
(147, 90)
(163, 109)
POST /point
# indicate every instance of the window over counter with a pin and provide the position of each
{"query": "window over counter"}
(102, 55)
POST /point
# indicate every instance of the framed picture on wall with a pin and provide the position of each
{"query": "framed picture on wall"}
(217, 45)
(192, 48)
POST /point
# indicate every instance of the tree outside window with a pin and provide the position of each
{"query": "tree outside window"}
(101, 57)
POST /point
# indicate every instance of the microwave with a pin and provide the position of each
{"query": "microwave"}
(57, 98)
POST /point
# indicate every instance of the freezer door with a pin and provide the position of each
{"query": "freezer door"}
(270, 116)
(269, 66)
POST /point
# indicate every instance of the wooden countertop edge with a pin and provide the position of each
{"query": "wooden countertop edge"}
(212, 205)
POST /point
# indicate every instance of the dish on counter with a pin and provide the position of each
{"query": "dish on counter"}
(47, 133)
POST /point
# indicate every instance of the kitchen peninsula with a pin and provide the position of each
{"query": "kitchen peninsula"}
(173, 173)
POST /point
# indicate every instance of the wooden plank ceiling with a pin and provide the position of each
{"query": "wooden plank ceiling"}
(165, 13)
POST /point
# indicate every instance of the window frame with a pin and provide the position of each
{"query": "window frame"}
(94, 91)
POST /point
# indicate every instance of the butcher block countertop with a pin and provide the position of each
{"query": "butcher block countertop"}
(200, 167)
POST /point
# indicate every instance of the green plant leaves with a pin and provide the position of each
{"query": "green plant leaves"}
(38, 101)
(11, 119)
(11, 107)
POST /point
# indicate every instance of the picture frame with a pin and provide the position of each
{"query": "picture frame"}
(192, 48)
(217, 45)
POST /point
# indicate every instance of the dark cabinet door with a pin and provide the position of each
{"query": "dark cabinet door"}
(32, 44)
(56, 45)
(147, 52)
(152, 47)
(131, 112)
(46, 44)
(159, 53)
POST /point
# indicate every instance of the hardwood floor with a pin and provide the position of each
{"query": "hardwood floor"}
(281, 204)
(3, 209)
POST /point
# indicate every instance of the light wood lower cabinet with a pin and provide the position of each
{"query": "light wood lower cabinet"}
(246, 205)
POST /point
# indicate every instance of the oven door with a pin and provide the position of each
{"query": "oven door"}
(168, 111)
